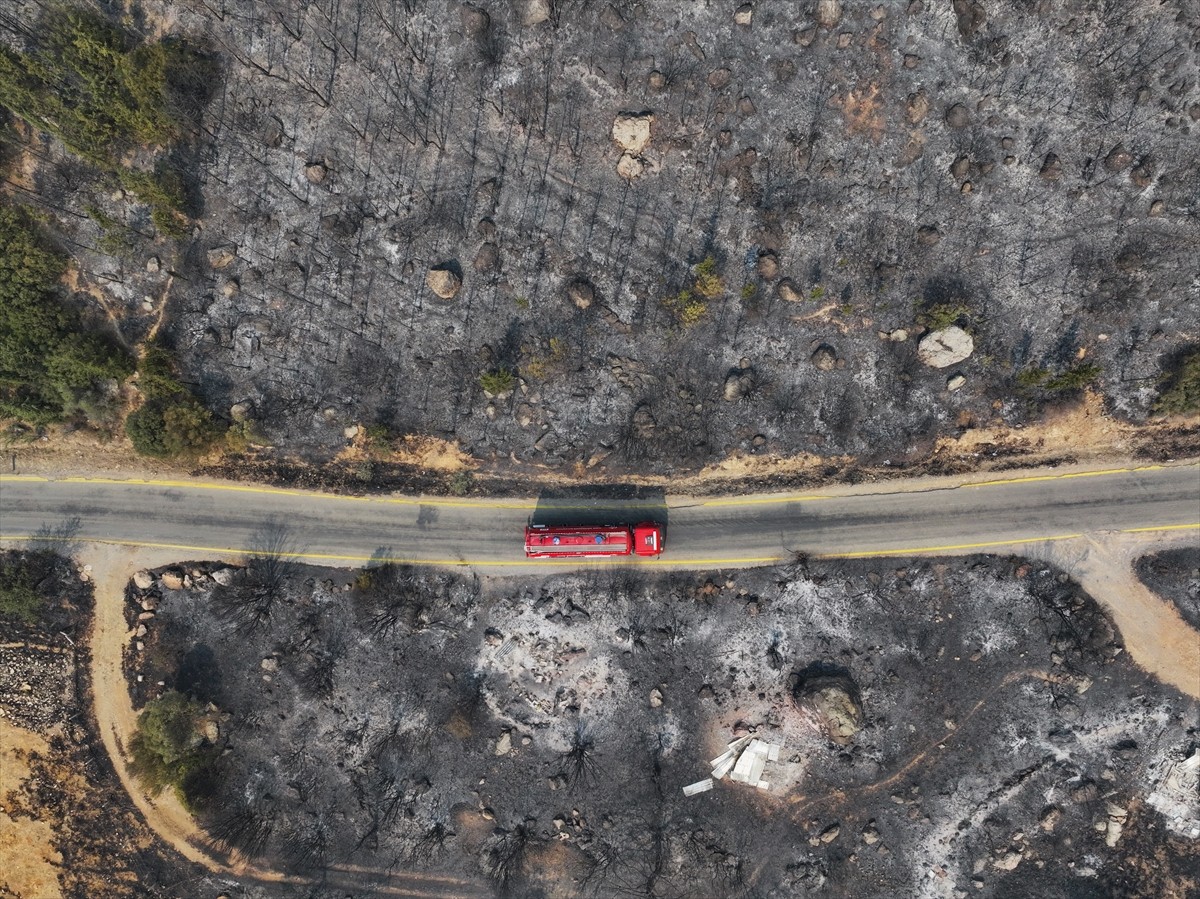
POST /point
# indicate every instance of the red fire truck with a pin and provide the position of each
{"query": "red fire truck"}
(557, 542)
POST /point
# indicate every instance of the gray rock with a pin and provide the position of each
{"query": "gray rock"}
(917, 107)
(787, 291)
(223, 256)
(153, 264)
(958, 116)
(630, 167)
(738, 385)
(970, 15)
(824, 358)
(1118, 159)
(656, 698)
(223, 576)
(1051, 169)
(487, 259)
(475, 21)
(768, 266)
(719, 78)
(242, 411)
(444, 281)
(581, 293)
(948, 346)
(644, 423)
(535, 12)
(827, 13)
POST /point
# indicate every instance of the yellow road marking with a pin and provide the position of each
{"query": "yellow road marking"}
(1163, 527)
(539, 563)
(1062, 477)
(273, 491)
(546, 504)
(764, 500)
(922, 550)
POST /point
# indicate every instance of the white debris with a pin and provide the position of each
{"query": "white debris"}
(744, 761)
(700, 786)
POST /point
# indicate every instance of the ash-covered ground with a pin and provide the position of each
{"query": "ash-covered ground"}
(1175, 575)
(949, 728)
(858, 173)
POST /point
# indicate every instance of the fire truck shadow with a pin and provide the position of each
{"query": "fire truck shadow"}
(600, 505)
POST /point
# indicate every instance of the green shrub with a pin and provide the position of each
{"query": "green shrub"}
(687, 307)
(1074, 378)
(167, 427)
(48, 362)
(169, 749)
(942, 315)
(461, 483)
(1180, 393)
(103, 94)
(18, 590)
(497, 381)
(708, 283)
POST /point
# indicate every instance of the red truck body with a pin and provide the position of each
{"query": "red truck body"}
(571, 542)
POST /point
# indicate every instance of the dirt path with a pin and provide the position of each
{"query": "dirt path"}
(1155, 634)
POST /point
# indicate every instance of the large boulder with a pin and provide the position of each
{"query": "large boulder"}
(939, 349)
(830, 699)
(444, 281)
(631, 131)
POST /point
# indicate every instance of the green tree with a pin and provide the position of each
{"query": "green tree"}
(1180, 393)
(169, 748)
(48, 362)
(169, 426)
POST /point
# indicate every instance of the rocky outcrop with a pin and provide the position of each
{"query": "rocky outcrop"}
(948, 346)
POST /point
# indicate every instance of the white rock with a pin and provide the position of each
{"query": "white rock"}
(504, 744)
(536, 12)
(948, 346)
(955, 382)
(630, 167)
(744, 14)
(143, 580)
(632, 131)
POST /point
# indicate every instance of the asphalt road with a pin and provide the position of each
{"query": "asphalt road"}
(929, 516)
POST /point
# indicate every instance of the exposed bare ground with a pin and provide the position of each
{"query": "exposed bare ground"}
(27, 855)
(1155, 634)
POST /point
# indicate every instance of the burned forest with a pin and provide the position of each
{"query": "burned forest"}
(654, 234)
(945, 726)
(439, 257)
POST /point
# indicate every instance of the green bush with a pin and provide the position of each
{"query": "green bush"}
(48, 362)
(497, 381)
(937, 316)
(169, 749)
(18, 591)
(103, 93)
(708, 281)
(1180, 393)
(1074, 378)
(687, 307)
(171, 426)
